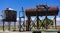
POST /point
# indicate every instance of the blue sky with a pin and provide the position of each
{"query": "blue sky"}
(17, 4)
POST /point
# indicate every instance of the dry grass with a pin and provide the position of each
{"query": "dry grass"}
(12, 28)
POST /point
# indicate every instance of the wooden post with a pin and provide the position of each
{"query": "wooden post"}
(46, 22)
(37, 18)
(14, 26)
(37, 22)
(3, 26)
(55, 22)
(9, 25)
(28, 24)
(19, 24)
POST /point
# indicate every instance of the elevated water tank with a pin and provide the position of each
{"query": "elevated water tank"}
(9, 15)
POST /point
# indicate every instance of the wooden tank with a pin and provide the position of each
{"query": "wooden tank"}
(9, 15)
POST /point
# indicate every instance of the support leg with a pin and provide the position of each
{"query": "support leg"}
(55, 23)
(14, 26)
(19, 24)
(9, 25)
(3, 26)
(28, 24)
(37, 22)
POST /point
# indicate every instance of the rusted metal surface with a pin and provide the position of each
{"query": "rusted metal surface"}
(52, 10)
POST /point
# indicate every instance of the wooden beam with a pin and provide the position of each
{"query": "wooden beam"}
(3, 26)
(28, 24)
(55, 22)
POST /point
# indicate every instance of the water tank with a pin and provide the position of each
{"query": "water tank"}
(9, 15)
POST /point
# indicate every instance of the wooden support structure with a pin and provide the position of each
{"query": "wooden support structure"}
(21, 16)
(3, 26)
(8, 16)
(14, 26)
(19, 24)
(41, 10)
(9, 25)
(46, 21)
(37, 22)
(28, 24)
(55, 22)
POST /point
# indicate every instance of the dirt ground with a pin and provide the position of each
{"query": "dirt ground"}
(26, 32)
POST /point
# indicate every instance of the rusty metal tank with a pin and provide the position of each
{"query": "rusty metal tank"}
(42, 10)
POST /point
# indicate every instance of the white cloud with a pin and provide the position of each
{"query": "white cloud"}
(17, 18)
(11, 9)
(58, 19)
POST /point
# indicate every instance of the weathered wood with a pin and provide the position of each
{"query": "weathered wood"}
(28, 24)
